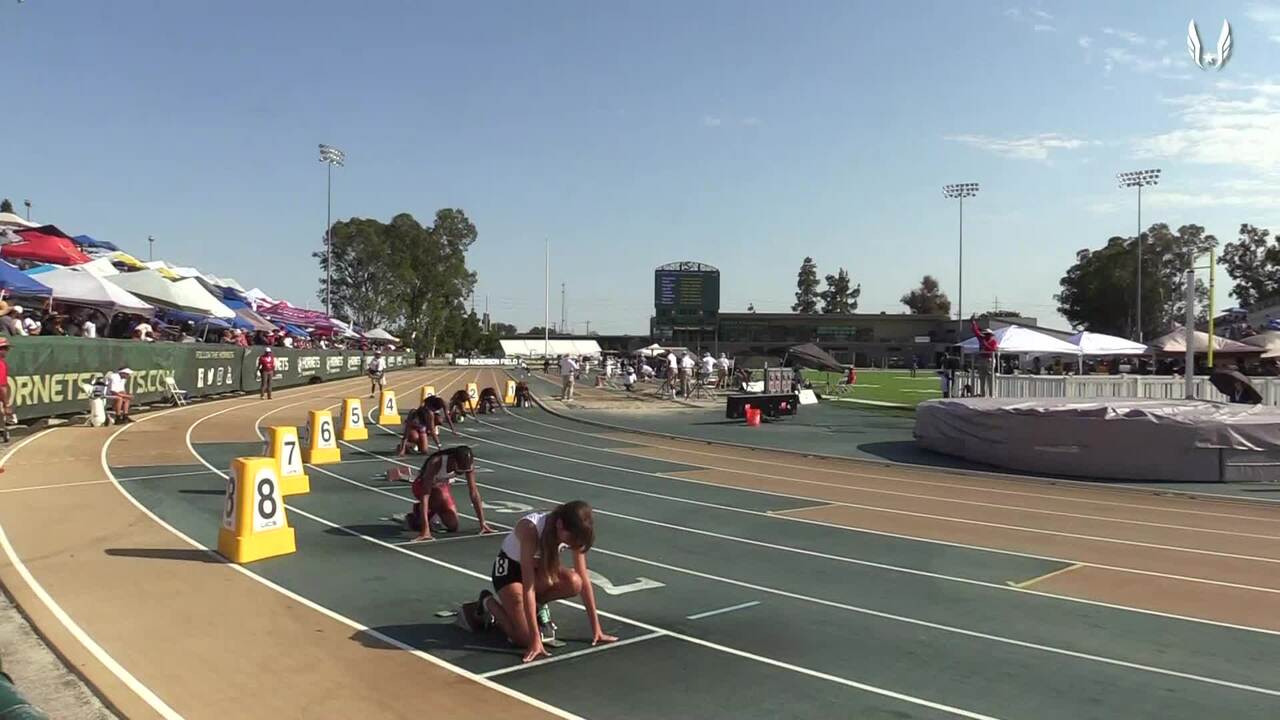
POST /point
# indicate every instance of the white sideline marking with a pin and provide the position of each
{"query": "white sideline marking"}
(729, 609)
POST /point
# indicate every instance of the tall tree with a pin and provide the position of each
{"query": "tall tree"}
(1098, 290)
(928, 299)
(1000, 314)
(361, 272)
(1253, 262)
(839, 298)
(806, 288)
(6, 206)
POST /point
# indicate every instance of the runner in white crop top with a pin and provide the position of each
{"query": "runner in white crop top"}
(527, 573)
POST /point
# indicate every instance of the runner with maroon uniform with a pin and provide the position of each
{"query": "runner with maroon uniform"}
(431, 491)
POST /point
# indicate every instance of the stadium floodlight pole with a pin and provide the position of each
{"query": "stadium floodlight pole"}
(546, 301)
(1139, 179)
(330, 156)
(151, 247)
(960, 191)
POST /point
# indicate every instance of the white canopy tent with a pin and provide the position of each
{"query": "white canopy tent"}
(11, 220)
(102, 267)
(380, 334)
(1017, 340)
(186, 294)
(257, 297)
(76, 286)
(1268, 341)
(531, 347)
(1176, 342)
(1091, 343)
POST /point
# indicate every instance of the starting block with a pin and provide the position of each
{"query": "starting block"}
(322, 445)
(427, 391)
(254, 525)
(398, 474)
(509, 397)
(353, 427)
(388, 413)
(288, 456)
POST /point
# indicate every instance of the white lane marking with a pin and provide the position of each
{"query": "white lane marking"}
(98, 652)
(846, 606)
(899, 512)
(52, 486)
(162, 476)
(577, 653)
(721, 611)
(558, 712)
(880, 491)
(687, 638)
(949, 484)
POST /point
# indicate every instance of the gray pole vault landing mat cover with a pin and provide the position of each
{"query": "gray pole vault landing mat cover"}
(1114, 439)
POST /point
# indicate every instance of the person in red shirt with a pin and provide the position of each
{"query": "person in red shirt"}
(987, 345)
(266, 369)
(6, 412)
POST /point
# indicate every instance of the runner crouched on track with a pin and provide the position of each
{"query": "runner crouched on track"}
(489, 401)
(527, 575)
(524, 398)
(437, 415)
(418, 430)
(458, 403)
(433, 497)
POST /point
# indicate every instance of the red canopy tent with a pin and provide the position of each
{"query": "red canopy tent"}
(40, 247)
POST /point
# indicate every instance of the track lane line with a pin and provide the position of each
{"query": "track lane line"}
(1069, 484)
(781, 514)
(850, 607)
(918, 496)
(653, 628)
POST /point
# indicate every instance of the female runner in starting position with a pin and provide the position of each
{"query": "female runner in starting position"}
(418, 430)
(527, 575)
(431, 491)
(489, 401)
(458, 403)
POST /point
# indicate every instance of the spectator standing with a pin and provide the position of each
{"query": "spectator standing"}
(722, 372)
(52, 326)
(987, 345)
(568, 367)
(88, 328)
(686, 373)
(9, 323)
(708, 368)
(266, 371)
(376, 371)
(30, 325)
(915, 364)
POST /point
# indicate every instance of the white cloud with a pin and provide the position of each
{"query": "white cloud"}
(711, 121)
(1275, 38)
(1266, 14)
(1013, 12)
(1085, 41)
(1042, 14)
(1038, 27)
(1142, 63)
(1133, 37)
(1033, 147)
(1235, 125)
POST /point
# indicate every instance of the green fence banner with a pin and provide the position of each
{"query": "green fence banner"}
(53, 375)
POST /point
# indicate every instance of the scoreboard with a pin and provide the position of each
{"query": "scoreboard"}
(687, 288)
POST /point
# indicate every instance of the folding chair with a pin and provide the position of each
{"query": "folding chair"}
(178, 396)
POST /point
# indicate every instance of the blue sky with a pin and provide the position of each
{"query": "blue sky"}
(742, 134)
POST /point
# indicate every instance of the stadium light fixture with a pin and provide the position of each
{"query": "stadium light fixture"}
(960, 191)
(1138, 179)
(330, 156)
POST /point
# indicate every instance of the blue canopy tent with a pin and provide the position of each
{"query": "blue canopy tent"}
(179, 317)
(15, 282)
(294, 330)
(231, 295)
(88, 242)
(246, 319)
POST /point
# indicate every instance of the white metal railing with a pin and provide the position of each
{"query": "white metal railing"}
(1153, 387)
